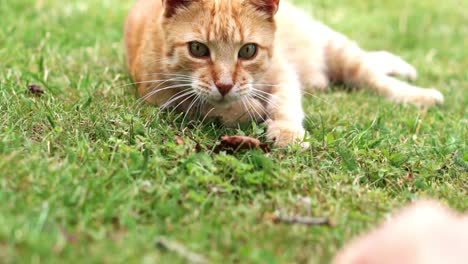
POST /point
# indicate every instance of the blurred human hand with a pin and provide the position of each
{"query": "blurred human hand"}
(423, 233)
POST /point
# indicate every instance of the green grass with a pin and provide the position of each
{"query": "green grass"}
(87, 175)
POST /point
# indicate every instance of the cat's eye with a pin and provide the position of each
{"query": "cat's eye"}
(198, 49)
(248, 51)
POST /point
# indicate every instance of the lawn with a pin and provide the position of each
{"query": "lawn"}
(87, 174)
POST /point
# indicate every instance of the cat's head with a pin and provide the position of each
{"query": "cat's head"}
(223, 46)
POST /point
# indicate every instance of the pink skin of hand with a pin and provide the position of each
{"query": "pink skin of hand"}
(423, 233)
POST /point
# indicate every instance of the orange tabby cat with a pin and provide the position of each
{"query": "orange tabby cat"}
(249, 59)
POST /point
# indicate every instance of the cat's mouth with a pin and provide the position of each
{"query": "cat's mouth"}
(223, 102)
(219, 98)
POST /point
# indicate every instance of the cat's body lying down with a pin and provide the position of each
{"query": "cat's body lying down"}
(250, 59)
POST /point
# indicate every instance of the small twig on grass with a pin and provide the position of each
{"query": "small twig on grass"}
(301, 220)
(180, 250)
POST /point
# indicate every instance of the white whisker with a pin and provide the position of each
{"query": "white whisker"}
(266, 84)
(263, 92)
(263, 109)
(154, 92)
(200, 106)
(175, 98)
(173, 74)
(268, 101)
(183, 101)
(315, 96)
(187, 111)
(157, 81)
(247, 109)
(207, 114)
(255, 109)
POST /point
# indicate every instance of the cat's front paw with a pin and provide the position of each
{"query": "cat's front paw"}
(420, 97)
(284, 133)
(390, 64)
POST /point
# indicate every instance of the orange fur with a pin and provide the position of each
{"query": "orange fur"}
(293, 51)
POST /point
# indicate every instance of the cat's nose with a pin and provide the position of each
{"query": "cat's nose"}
(224, 88)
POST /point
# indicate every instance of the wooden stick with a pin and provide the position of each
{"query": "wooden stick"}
(180, 250)
(309, 221)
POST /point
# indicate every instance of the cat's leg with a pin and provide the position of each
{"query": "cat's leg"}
(285, 112)
(349, 64)
(391, 64)
(315, 79)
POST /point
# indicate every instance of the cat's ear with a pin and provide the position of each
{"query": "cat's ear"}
(171, 6)
(268, 6)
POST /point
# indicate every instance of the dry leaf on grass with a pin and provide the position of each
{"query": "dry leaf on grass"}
(235, 143)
